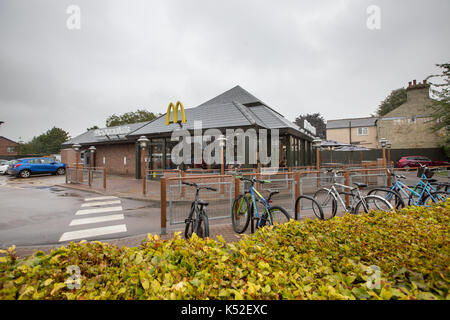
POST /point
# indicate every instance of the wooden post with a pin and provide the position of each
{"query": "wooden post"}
(65, 172)
(76, 167)
(89, 176)
(237, 187)
(183, 190)
(297, 192)
(163, 205)
(104, 177)
(347, 182)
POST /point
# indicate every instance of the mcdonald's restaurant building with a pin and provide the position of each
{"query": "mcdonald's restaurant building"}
(117, 148)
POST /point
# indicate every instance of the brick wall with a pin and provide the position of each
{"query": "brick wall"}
(408, 125)
(4, 144)
(114, 157)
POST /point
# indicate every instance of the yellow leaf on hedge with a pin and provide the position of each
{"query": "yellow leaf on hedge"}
(57, 287)
(3, 259)
(48, 282)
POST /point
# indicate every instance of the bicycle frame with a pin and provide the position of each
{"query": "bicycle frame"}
(254, 194)
(338, 197)
(426, 187)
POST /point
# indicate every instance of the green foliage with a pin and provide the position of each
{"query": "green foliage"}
(441, 106)
(395, 99)
(316, 120)
(93, 128)
(130, 117)
(312, 259)
(47, 143)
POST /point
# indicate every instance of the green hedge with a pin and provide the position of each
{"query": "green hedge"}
(299, 260)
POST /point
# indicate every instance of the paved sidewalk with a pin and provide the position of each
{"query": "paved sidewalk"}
(226, 231)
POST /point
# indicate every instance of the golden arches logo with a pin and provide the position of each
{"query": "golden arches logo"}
(175, 113)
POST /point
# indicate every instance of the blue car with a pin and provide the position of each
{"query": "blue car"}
(24, 168)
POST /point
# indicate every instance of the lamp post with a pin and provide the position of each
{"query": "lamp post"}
(76, 147)
(143, 142)
(91, 165)
(389, 146)
(316, 143)
(222, 140)
(383, 142)
(92, 150)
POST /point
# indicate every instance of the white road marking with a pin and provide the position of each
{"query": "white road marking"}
(112, 217)
(98, 210)
(94, 232)
(100, 198)
(101, 203)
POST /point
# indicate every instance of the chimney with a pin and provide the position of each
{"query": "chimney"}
(414, 82)
(424, 81)
(409, 84)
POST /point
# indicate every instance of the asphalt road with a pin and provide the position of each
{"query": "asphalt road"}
(34, 212)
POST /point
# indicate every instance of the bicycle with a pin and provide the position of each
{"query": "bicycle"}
(197, 221)
(417, 195)
(359, 203)
(245, 209)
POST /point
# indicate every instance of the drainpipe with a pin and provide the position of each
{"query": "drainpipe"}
(350, 129)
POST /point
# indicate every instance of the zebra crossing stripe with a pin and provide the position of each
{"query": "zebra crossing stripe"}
(100, 198)
(93, 232)
(98, 210)
(102, 203)
(112, 217)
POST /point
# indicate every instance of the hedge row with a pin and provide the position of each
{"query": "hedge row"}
(300, 260)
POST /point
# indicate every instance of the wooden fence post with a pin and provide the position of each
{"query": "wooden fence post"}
(104, 178)
(347, 182)
(163, 205)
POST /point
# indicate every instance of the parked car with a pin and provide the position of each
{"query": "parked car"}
(416, 161)
(24, 168)
(4, 166)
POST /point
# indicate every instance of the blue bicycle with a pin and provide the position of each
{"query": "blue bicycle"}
(245, 209)
(421, 194)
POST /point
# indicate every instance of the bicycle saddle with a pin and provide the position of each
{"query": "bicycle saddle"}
(432, 180)
(273, 191)
(203, 203)
(360, 185)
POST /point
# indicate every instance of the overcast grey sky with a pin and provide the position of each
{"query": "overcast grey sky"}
(297, 56)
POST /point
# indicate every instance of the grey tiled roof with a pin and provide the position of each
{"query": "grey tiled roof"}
(355, 122)
(237, 94)
(233, 108)
(89, 136)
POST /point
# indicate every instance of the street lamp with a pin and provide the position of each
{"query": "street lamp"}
(383, 142)
(143, 142)
(92, 150)
(76, 147)
(222, 141)
(316, 144)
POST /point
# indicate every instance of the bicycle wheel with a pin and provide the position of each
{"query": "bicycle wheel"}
(189, 229)
(327, 203)
(240, 214)
(392, 196)
(308, 206)
(278, 215)
(202, 227)
(372, 202)
(435, 197)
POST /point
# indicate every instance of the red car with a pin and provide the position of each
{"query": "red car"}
(415, 161)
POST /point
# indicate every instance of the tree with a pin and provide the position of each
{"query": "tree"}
(130, 117)
(393, 100)
(92, 128)
(47, 143)
(440, 107)
(316, 120)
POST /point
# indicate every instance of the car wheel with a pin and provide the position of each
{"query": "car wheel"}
(25, 173)
(61, 171)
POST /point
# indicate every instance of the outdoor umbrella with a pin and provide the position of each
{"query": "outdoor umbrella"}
(352, 148)
(332, 144)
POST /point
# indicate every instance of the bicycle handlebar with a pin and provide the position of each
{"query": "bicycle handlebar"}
(252, 180)
(196, 186)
